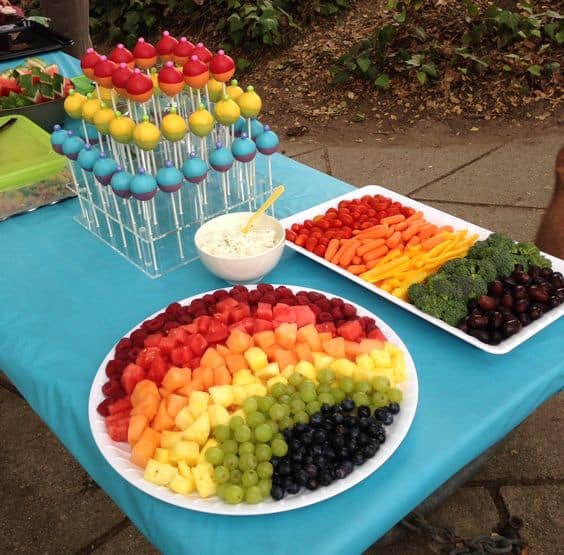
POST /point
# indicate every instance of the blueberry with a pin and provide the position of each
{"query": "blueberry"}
(353, 432)
(325, 479)
(340, 429)
(308, 459)
(365, 422)
(363, 411)
(370, 450)
(292, 488)
(307, 438)
(338, 418)
(353, 444)
(358, 458)
(319, 436)
(375, 429)
(301, 477)
(294, 445)
(363, 438)
(298, 455)
(316, 450)
(288, 434)
(329, 453)
(274, 461)
(326, 408)
(320, 462)
(316, 420)
(284, 468)
(312, 484)
(347, 405)
(277, 493)
(393, 408)
(384, 416)
(340, 441)
(340, 473)
(343, 453)
(310, 470)
(381, 437)
(351, 421)
(300, 428)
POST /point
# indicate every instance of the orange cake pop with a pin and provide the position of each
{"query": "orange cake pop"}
(139, 87)
(222, 67)
(196, 73)
(103, 72)
(120, 54)
(166, 46)
(182, 51)
(88, 61)
(145, 54)
(171, 81)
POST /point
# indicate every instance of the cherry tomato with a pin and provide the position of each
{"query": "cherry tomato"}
(323, 241)
(337, 223)
(291, 236)
(324, 224)
(393, 211)
(347, 219)
(301, 240)
(311, 243)
(316, 232)
(381, 214)
(296, 228)
(330, 234)
(320, 250)
(371, 212)
(365, 225)
(308, 224)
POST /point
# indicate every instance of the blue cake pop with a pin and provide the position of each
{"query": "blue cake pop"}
(256, 128)
(240, 126)
(221, 158)
(267, 142)
(58, 137)
(87, 157)
(121, 182)
(76, 126)
(169, 178)
(194, 169)
(72, 145)
(104, 168)
(143, 186)
(244, 149)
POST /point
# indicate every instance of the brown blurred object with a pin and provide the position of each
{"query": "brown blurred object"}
(72, 20)
(550, 237)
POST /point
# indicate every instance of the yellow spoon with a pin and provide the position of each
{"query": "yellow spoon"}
(269, 202)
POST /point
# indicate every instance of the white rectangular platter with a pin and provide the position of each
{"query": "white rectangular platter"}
(440, 218)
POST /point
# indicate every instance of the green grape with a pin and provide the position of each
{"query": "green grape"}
(279, 447)
(214, 455)
(362, 387)
(346, 384)
(265, 487)
(277, 435)
(295, 379)
(265, 470)
(222, 432)
(278, 389)
(297, 405)
(220, 474)
(242, 433)
(234, 494)
(231, 461)
(379, 400)
(236, 422)
(250, 478)
(264, 403)
(360, 398)
(326, 376)
(338, 394)
(229, 446)
(326, 398)
(278, 411)
(307, 393)
(220, 492)
(284, 399)
(273, 426)
(255, 419)
(302, 417)
(394, 395)
(263, 433)
(324, 388)
(295, 396)
(285, 422)
(235, 476)
(246, 447)
(290, 389)
(381, 384)
(253, 495)
(315, 406)
(247, 462)
(263, 452)
(250, 405)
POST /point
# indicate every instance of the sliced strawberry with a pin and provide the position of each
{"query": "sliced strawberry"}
(217, 332)
(117, 429)
(103, 407)
(157, 370)
(119, 406)
(113, 389)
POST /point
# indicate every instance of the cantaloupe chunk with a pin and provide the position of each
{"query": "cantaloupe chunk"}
(212, 359)
(221, 376)
(148, 406)
(284, 358)
(335, 347)
(367, 345)
(176, 378)
(205, 374)
(325, 336)
(238, 341)
(303, 351)
(286, 334)
(144, 449)
(352, 349)
(222, 350)
(310, 335)
(143, 389)
(235, 362)
(271, 351)
(195, 385)
(175, 403)
(137, 424)
(264, 339)
(162, 420)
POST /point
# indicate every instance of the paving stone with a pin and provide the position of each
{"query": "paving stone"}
(528, 453)
(520, 223)
(129, 540)
(49, 504)
(520, 173)
(402, 169)
(294, 148)
(315, 159)
(411, 544)
(540, 508)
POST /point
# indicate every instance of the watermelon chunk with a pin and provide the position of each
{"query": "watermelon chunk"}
(132, 375)
(351, 330)
(283, 313)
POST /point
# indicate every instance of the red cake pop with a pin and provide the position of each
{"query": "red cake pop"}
(171, 81)
(182, 51)
(203, 53)
(139, 87)
(166, 46)
(145, 54)
(88, 61)
(120, 54)
(196, 73)
(103, 72)
(120, 76)
(222, 67)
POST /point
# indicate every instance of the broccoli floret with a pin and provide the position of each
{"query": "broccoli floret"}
(470, 267)
(453, 310)
(473, 286)
(446, 286)
(448, 309)
(416, 293)
(528, 254)
(500, 241)
(455, 267)
(499, 257)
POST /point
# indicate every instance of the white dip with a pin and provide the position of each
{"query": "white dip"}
(232, 242)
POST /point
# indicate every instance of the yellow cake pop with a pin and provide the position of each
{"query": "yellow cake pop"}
(227, 111)
(250, 103)
(90, 107)
(234, 91)
(173, 126)
(215, 89)
(105, 94)
(73, 104)
(103, 118)
(201, 122)
(146, 134)
(121, 128)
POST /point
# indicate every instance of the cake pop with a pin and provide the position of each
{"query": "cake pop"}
(120, 54)
(221, 160)
(104, 168)
(173, 126)
(146, 134)
(120, 76)
(222, 66)
(58, 137)
(250, 103)
(72, 146)
(121, 183)
(256, 128)
(103, 72)
(227, 111)
(122, 128)
(240, 126)
(73, 104)
(196, 73)
(182, 51)
(201, 122)
(90, 107)
(88, 61)
(215, 89)
(87, 157)
(145, 54)
(165, 47)
(103, 118)
(170, 80)
(234, 91)
(203, 53)
(244, 149)
(267, 143)
(139, 87)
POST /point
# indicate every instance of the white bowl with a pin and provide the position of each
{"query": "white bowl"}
(247, 268)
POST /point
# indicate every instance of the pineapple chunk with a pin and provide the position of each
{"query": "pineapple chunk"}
(243, 377)
(362, 374)
(381, 357)
(182, 485)
(288, 371)
(256, 358)
(184, 418)
(198, 403)
(168, 438)
(209, 443)
(218, 415)
(343, 367)
(184, 470)
(199, 431)
(204, 482)
(306, 369)
(255, 389)
(239, 394)
(365, 362)
(187, 451)
(159, 473)
(276, 379)
(222, 395)
(269, 371)
(162, 455)
(385, 371)
(321, 360)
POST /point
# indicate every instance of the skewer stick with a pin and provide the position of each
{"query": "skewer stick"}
(133, 226)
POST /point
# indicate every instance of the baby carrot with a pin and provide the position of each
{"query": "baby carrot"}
(396, 219)
(357, 269)
(357, 259)
(428, 244)
(412, 230)
(394, 240)
(375, 232)
(401, 226)
(414, 217)
(378, 252)
(348, 253)
(337, 256)
(370, 245)
(413, 241)
(427, 231)
(332, 248)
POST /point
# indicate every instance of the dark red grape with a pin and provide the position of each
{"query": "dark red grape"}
(495, 319)
(537, 293)
(511, 327)
(522, 305)
(525, 319)
(478, 321)
(508, 281)
(495, 288)
(535, 312)
(482, 335)
(507, 301)
(546, 272)
(553, 302)
(534, 271)
(520, 292)
(486, 303)
(495, 337)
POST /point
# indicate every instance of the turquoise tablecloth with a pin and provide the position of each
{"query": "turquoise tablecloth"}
(65, 298)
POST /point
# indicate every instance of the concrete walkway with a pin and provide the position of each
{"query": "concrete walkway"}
(50, 506)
